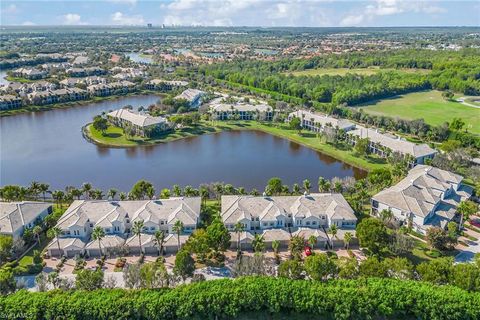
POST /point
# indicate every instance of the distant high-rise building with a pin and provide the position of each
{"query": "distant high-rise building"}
(149, 25)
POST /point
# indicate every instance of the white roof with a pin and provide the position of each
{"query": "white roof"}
(109, 241)
(170, 82)
(323, 119)
(14, 215)
(190, 94)
(138, 119)
(245, 107)
(392, 142)
(66, 243)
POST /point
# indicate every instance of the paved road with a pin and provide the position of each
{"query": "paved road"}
(467, 254)
(462, 101)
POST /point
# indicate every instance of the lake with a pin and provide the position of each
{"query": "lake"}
(140, 58)
(49, 147)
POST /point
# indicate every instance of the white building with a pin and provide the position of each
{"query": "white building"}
(193, 96)
(144, 124)
(427, 197)
(244, 111)
(15, 217)
(317, 122)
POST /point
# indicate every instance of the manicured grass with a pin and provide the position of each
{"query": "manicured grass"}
(422, 253)
(427, 105)
(114, 137)
(344, 71)
(17, 79)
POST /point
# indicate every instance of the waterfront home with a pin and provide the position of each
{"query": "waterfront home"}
(29, 73)
(121, 87)
(117, 218)
(80, 60)
(129, 74)
(83, 72)
(143, 124)
(316, 210)
(15, 217)
(427, 197)
(317, 122)
(55, 66)
(164, 85)
(193, 96)
(42, 97)
(100, 90)
(383, 144)
(241, 111)
(8, 102)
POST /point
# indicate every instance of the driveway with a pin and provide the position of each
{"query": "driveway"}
(467, 253)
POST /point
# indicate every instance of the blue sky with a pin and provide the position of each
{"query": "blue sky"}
(311, 13)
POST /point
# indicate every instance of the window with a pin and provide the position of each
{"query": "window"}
(107, 230)
(91, 225)
(308, 223)
(314, 223)
(162, 222)
(264, 224)
(152, 228)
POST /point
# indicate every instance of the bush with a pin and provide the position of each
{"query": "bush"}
(226, 299)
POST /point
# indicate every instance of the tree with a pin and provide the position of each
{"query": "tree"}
(437, 271)
(199, 244)
(447, 95)
(348, 268)
(177, 191)
(238, 228)
(6, 246)
(141, 189)
(362, 146)
(347, 238)
(372, 234)
(312, 241)
(178, 229)
(184, 264)
(89, 280)
(153, 275)
(274, 186)
(307, 186)
(333, 231)
(137, 230)
(386, 215)
(34, 189)
(275, 247)
(76, 193)
(7, 282)
(258, 243)
(37, 230)
(58, 196)
(97, 235)
(466, 276)
(457, 124)
(100, 124)
(86, 188)
(159, 239)
(296, 246)
(466, 209)
(372, 267)
(165, 193)
(296, 189)
(323, 185)
(291, 269)
(218, 235)
(437, 238)
(43, 188)
(296, 124)
(320, 267)
(55, 232)
(399, 268)
(112, 193)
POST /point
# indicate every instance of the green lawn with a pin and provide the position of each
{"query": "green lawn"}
(344, 71)
(114, 137)
(428, 105)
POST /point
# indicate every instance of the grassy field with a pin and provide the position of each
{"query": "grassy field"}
(114, 137)
(428, 105)
(344, 71)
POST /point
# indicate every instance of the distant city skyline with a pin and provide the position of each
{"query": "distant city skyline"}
(263, 13)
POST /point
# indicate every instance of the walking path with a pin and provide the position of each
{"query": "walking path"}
(462, 101)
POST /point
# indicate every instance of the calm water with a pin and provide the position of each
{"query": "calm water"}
(3, 75)
(138, 57)
(49, 147)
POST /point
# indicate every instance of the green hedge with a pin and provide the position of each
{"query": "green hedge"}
(227, 299)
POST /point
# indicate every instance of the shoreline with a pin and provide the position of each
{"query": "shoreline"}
(71, 104)
(331, 151)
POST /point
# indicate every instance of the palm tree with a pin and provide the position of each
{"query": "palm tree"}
(238, 228)
(312, 240)
(137, 230)
(34, 189)
(386, 215)
(150, 192)
(178, 229)
(159, 239)
(333, 231)
(98, 234)
(112, 193)
(86, 188)
(97, 194)
(188, 191)
(204, 193)
(44, 189)
(307, 185)
(218, 189)
(347, 238)
(177, 192)
(54, 233)
(337, 187)
(76, 193)
(296, 189)
(37, 230)
(275, 246)
(58, 196)
(323, 185)
(258, 243)
(123, 196)
(466, 209)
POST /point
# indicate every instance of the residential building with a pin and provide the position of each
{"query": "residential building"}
(117, 218)
(29, 73)
(317, 122)
(242, 111)
(15, 217)
(318, 210)
(83, 72)
(427, 197)
(144, 124)
(164, 85)
(384, 144)
(193, 96)
(9, 101)
(42, 97)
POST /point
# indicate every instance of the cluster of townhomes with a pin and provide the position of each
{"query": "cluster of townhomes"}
(192, 96)
(144, 124)
(241, 111)
(427, 197)
(382, 144)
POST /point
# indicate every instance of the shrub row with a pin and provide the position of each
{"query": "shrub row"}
(226, 299)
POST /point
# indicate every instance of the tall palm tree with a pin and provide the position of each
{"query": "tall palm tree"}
(323, 185)
(58, 196)
(312, 240)
(296, 189)
(258, 243)
(188, 191)
(44, 189)
(218, 189)
(86, 188)
(347, 238)
(307, 185)
(34, 189)
(333, 231)
(137, 230)
(123, 196)
(275, 246)
(204, 193)
(76, 193)
(178, 229)
(55, 232)
(98, 234)
(37, 230)
(112, 193)
(238, 228)
(386, 215)
(150, 192)
(176, 190)
(159, 240)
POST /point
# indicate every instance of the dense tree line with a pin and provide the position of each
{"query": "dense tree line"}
(226, 299)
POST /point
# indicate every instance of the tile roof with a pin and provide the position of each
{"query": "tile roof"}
(14, 215)
(138, 119)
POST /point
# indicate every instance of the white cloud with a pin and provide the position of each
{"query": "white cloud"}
(28, 23)
(72, 19)
(123, 19)
(11, 9)
(390, 7)
(129, 2)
